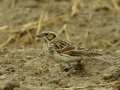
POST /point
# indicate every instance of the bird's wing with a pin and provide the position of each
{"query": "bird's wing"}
(63, 44)
(67, 47)
(70, 50)
(65, 50)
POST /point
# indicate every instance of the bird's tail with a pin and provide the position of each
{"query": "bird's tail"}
(92, 54)
(83, 52)
(103, 58)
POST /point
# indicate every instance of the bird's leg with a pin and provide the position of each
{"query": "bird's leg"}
(63, 67)
(75, 66)
(69, 65)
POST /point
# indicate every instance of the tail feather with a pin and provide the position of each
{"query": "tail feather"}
(103, 59)
(83, 52)
(94, 55)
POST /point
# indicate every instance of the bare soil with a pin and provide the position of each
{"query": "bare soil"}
(25, 69)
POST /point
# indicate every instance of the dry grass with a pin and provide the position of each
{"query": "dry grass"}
(29, 28)
(87, 31)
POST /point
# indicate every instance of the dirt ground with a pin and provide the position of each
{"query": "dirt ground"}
(23, 68)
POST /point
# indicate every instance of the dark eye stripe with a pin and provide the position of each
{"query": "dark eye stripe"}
(52, 37)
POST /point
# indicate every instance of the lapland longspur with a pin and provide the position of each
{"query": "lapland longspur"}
(64, 51)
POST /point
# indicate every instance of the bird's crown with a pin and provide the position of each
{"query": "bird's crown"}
(48, 35)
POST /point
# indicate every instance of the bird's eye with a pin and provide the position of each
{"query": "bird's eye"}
(46, 34)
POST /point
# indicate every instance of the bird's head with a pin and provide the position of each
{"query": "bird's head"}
(47, 36)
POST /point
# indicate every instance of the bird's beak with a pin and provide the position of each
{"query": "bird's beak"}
(40, 36)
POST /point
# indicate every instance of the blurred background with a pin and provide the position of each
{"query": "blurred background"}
(93, 24)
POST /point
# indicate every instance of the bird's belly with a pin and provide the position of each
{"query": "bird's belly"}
(66, 58)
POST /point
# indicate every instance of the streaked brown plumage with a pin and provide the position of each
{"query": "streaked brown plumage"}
(62, 50)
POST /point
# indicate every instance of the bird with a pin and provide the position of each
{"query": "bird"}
(64, 51)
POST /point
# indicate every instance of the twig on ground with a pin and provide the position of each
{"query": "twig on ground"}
(39, 26)
(13, 3)
(67, 34)
(3, 28)
(28, 26)
(7, 42)
(57, 18)
(117, 63)
(97, 3)
(116, 5)
(104, 4)
(18, 37)
(75, 7)
(29, 34)
(87, 31)
(64, 29)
